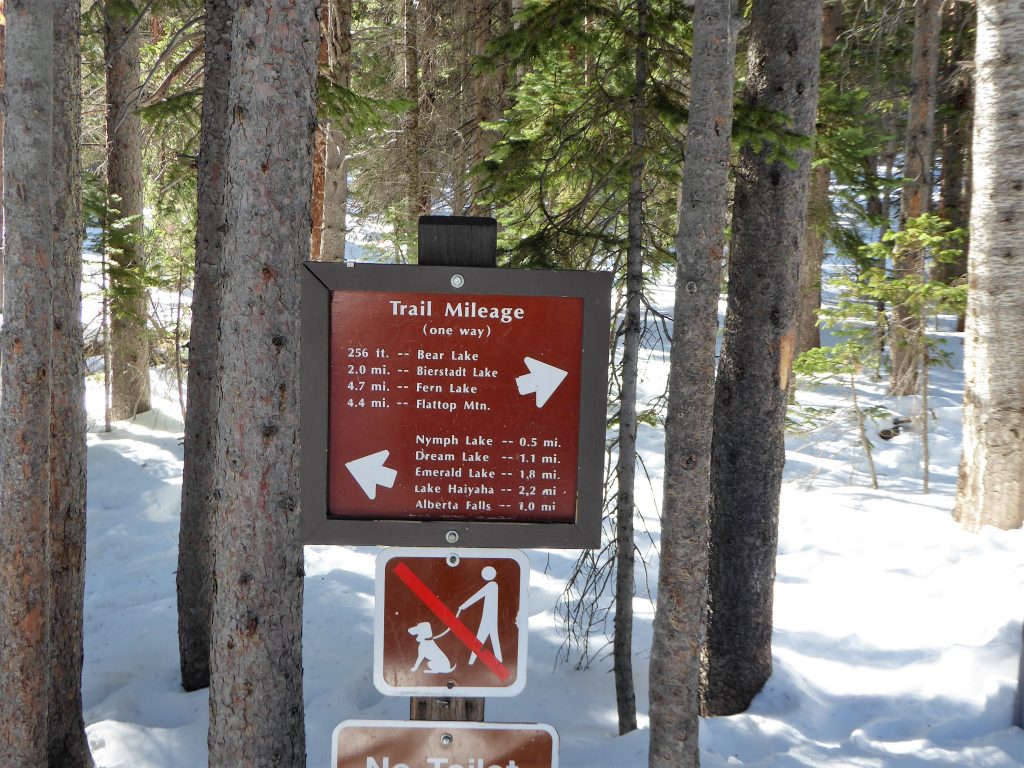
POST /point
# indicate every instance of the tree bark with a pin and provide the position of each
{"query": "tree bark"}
(195, 548)
(955, 140)
(1018, 701)
(906, 327)
(990, 490)
(130, 392)
(3, 63)
(679, 622)
(411, 129)
(319, 150)
(335, 217)
(482, 97)
(256, 714)
(757, 350)
(819, 209)
(25, 374)
(625, 501)
(68, 746)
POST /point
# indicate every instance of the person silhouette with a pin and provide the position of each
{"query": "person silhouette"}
(488, 629)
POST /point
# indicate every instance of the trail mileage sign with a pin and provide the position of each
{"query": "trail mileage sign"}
(445, 403)
(443, 408)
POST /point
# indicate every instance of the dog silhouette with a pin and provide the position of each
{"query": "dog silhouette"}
(429, 651)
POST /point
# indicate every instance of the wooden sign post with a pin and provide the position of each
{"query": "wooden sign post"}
(454, 241)
(459, 407)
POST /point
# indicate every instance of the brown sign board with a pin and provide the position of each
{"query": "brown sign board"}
(451, 622)
(445, 405)
(391, 744)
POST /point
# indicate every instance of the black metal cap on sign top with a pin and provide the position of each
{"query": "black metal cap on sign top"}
(453, 405)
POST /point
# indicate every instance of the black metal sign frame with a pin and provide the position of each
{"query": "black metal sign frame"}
(320, 279)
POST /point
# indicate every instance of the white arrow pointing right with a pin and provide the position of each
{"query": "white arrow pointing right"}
(542, 379)
(369, 472)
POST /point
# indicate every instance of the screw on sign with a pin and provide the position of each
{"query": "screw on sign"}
(451, 623)
(393, 744)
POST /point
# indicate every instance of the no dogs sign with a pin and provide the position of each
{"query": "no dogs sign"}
(451, 622)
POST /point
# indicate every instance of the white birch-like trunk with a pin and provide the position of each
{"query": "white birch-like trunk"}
(991, 485)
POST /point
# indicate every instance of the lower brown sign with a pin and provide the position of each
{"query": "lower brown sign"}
(393, 744)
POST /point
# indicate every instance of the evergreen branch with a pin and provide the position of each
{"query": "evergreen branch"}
(161, 91)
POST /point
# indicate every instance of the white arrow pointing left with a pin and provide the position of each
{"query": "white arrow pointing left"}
(369, 472)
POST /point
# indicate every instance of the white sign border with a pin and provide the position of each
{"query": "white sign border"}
(446, 724)
(442, 690)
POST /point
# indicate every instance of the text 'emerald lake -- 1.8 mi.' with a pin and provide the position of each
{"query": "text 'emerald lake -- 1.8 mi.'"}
(452, 407)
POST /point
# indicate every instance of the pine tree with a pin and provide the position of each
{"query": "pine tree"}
(917, 187)
(195, 554)
(25, 379)
(757, 352)
(818, 216)
(679, 627)
(3, 59)
(130, 390)
(954, 131)
(256, 707)
(625, 498)
(338, 35)
(68, 747)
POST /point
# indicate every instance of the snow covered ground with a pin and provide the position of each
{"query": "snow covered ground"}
(897, 633)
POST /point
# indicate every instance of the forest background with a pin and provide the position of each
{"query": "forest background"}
(807, 128)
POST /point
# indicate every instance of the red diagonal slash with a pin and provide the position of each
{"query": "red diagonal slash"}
(450, 620)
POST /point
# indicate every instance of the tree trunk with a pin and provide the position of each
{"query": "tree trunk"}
(68, 747)
(990, 490)
(464, 110)
(335, 217)
(482, 96)
(430, 86)
(411, 129)
(195, 553)
(906, 330)
(819, 212)
(757, 351)
(25, 376)
(256, 714)
(505, 81)
(130, 392)
(625, 501)
(956, 139)
(1018, 701)
(3, 239)
(319, 149)
(679, 625)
